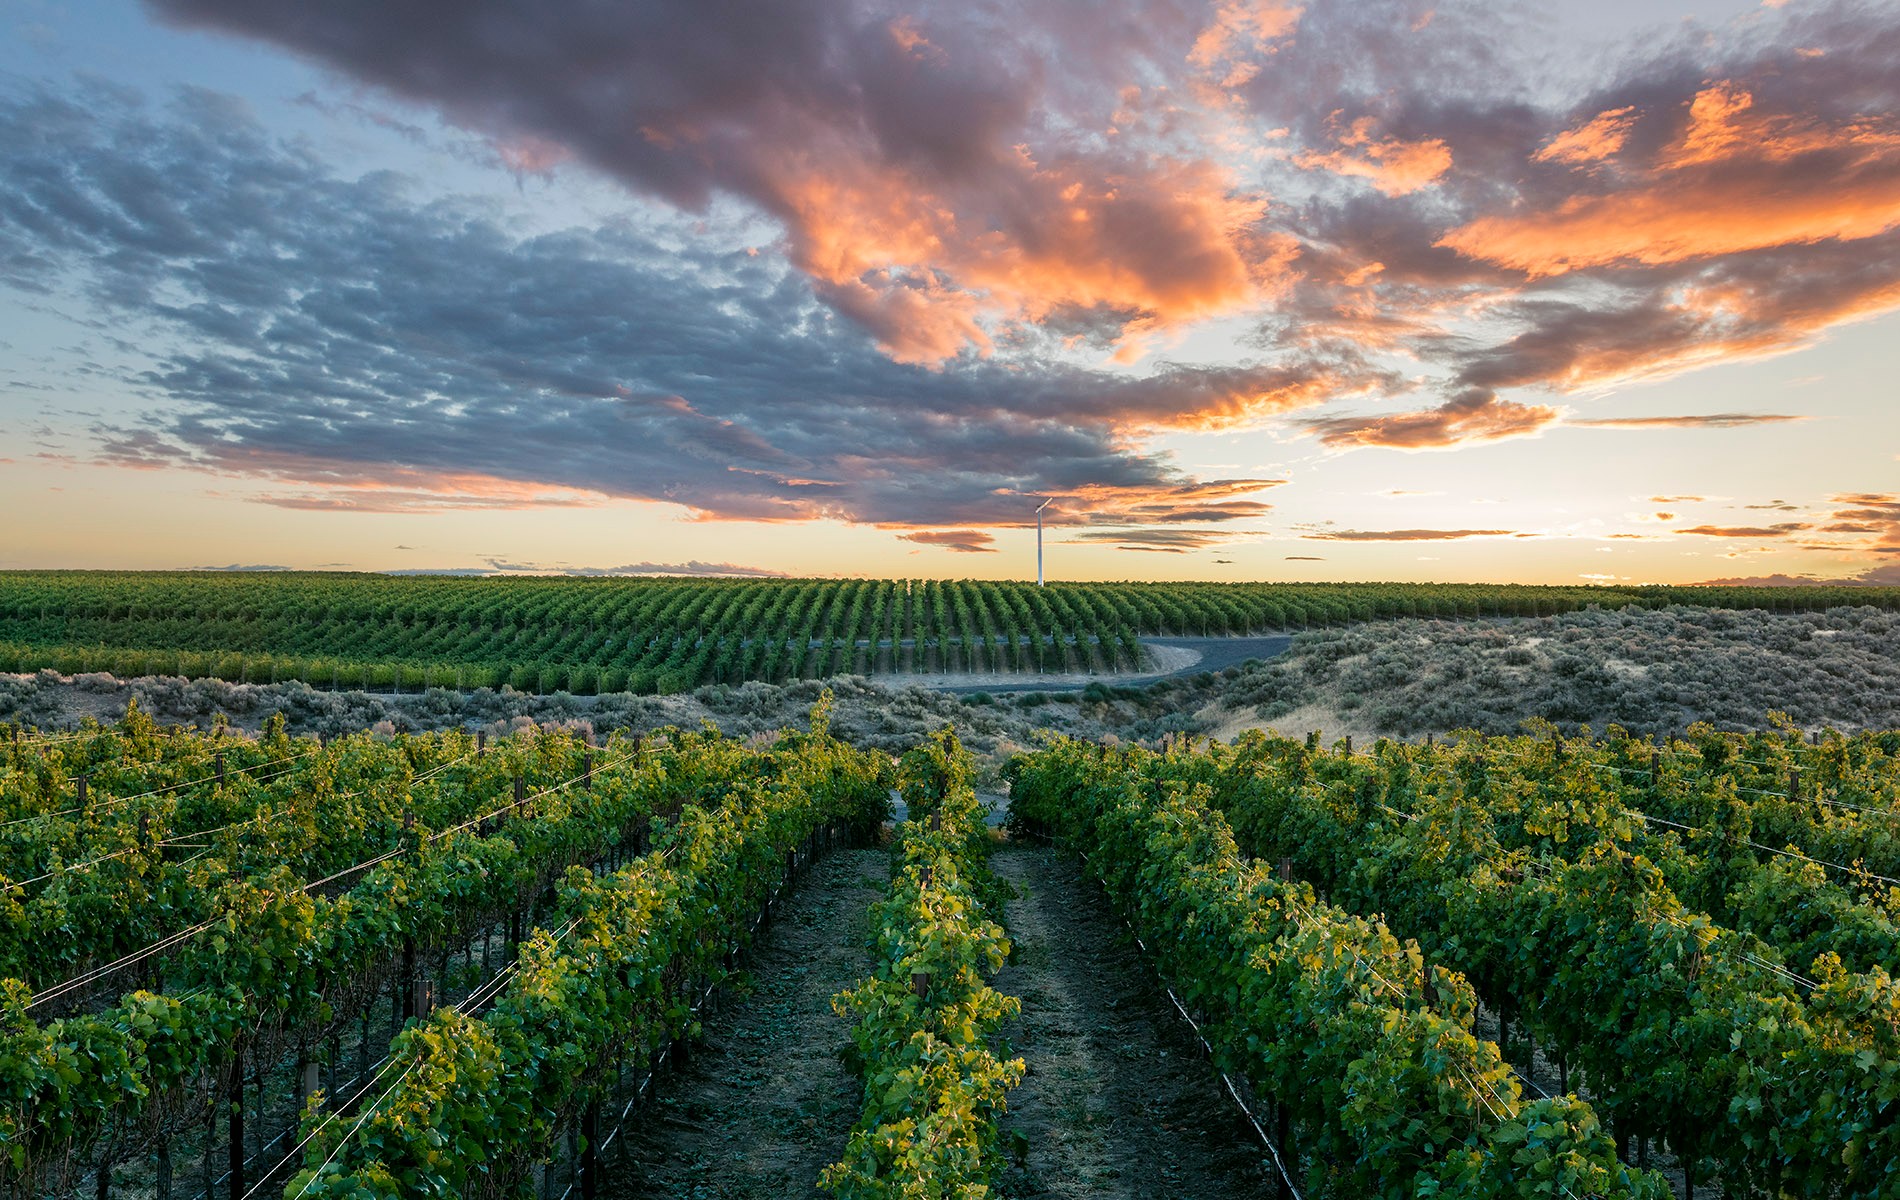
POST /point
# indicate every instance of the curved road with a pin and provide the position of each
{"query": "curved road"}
(1216, 654)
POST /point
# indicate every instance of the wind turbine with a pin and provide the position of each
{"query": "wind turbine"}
(1039, 508)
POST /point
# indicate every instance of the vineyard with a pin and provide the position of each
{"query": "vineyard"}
(449, 965)
(589, 636)
(1687, 949)
(415, 966)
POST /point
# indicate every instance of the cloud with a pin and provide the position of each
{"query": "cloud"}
(1173, 540)
(1595, 140)
(963, 541)
(923, 168)
(1303, 558)
(1720, 196)
(1476, 416)
(692, 568)
(1678, 499)
(246, 567)
(974, 178)
(1240, 31)
(352, 349)
(1394, 166)
(1728, 176)
(1746, 531)
(1403, 535)
(1698, 421)
(892, 269)
(1867, 513)
(1881, 576)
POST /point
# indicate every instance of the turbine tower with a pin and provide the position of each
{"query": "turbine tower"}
(1039, 508)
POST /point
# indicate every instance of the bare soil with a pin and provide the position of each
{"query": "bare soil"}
(1117, 1102)
(765, 1102)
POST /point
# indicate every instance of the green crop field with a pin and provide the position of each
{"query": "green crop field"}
(589, 636)
(440, 966)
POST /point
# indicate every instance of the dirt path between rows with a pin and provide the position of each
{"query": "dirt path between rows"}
(1116, 1103)
(766, 1102)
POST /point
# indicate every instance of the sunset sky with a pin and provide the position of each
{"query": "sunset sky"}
(1358, 289)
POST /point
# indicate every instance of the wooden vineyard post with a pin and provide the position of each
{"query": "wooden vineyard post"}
(481, 742)
(335, 1062)
(79, 783)
(309, 1078)
(408, 983)
(590, 1150)
(920, 984)
(587, 771)
(236, 1100)
(258, 1071)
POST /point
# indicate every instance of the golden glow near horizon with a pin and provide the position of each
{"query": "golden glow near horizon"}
(1622, 311)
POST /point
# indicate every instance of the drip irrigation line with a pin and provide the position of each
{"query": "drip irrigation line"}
(549, 791)
(367, 1112)
(167, 942)
(472, 1000)
(77, 867)
(468, 1003)
(1530, 864)
(179, 840)
(387, 1062)
(54, 739)
(1889, 812)
(67, 986)
(114, 801)
(1860, 872)
(332, 878)
(1227, 1082)
(97, 973)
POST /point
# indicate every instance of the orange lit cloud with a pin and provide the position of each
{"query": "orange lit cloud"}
(325, 485)
(1877, 513)
(1158, 244)
(1736, 179)
(1599, 138)
(1746, 531)
(1394, 166)
(1404, 535)
(423, 492)
(1207, 400)
(997, 197)
(1697, 421)
(1477, 416)
(1170, 541)
(1210, 500)
(962, 541)
(1241, 30)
